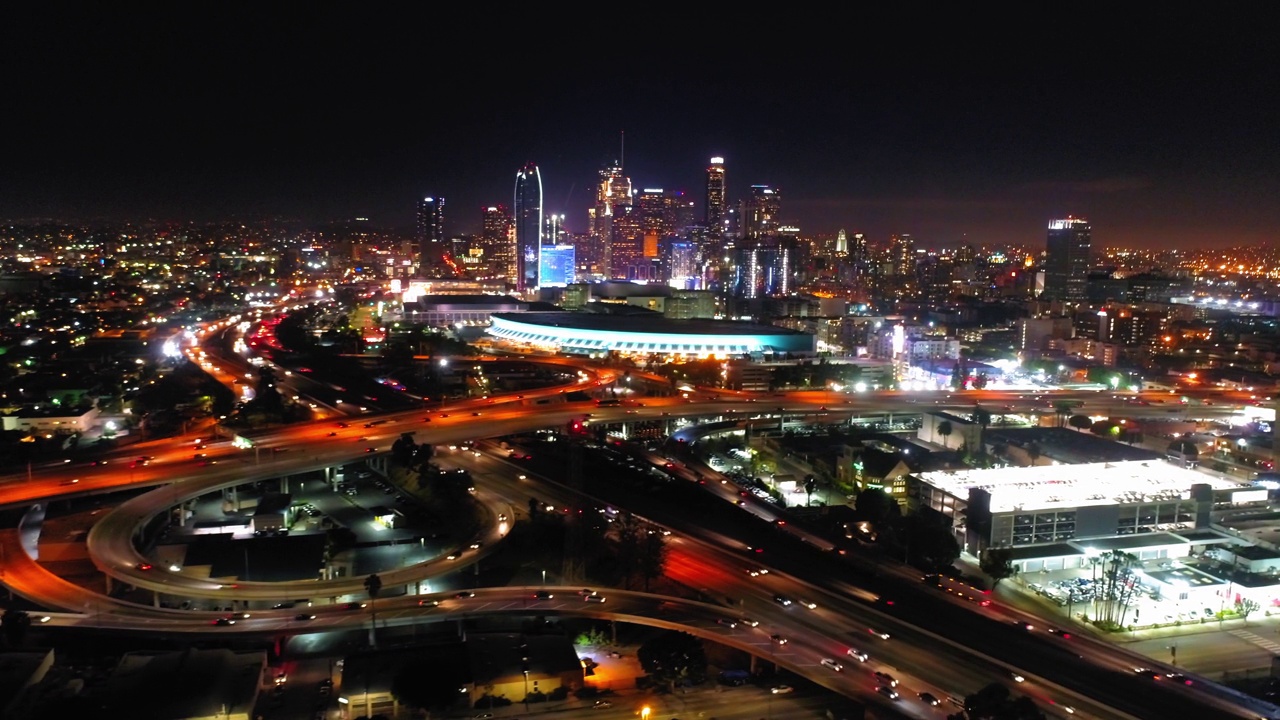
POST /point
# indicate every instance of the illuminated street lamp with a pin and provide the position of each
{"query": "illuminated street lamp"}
(644, 713)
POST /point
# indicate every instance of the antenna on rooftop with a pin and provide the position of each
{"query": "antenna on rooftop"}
(622, 151)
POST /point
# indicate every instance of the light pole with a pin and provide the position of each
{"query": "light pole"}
(544, 578)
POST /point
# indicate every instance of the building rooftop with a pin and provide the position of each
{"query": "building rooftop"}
(1070, 446)
(187, 684)
(1066, 486)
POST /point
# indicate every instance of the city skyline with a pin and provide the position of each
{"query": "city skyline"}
(1158, 139)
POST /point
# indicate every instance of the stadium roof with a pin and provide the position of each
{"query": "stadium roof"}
(649, 323)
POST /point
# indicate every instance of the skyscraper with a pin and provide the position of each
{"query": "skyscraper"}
(431, 247)
(715, 197)
(556, 266)
(528, 224)
(760, 212)
(498, 242)
(1066, 265)
(612, 194)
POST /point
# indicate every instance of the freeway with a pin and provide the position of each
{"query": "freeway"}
(310, 446)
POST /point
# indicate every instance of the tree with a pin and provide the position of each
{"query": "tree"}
(1080, 422)
(1063, 408)
(373, 585)
(930, 543)
(810, 484)
(876, 506)
(15, 624)
(995, 702)
(997, 563)
(653, 557)
(1246, 607)
(944, 429)
(673, 657)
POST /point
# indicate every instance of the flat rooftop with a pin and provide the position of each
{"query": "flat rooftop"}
(1052, 487)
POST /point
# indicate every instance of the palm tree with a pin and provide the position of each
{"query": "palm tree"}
(944, 429)
(1062, 409)
(373, 584)
(1118, 586)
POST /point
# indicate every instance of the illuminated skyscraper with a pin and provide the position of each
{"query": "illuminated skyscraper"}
(760, 211)
(714, 218)
(1066, 265)
(556, 266)
(528, 226)
(497, 241)
(612, 194)
(431, 247)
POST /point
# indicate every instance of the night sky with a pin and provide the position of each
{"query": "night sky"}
(1161, 128)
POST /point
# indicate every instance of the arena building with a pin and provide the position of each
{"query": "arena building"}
(650, 334)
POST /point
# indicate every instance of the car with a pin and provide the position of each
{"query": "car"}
(1024, 625)
(224, 621)
(886, 678)
(344, 425)
(857, 654)
(1147, 672)
(304, 616)
(586, 592)
(749, 622)
(782, 600)
(356, 605)
(72, 481)
(833, 664)
(543, 595)
(1059, 632)
(428, 603)
(878, 633)
(781, 689)
(1178, 678)
(731, 624)
(929, 699)
(464, 594)
(778, 639)
(809, 604)
(887, 692)
(369, 450)
(757, 572)
(594, 598)
(145, 566)
(475, 414)
(1016, 677)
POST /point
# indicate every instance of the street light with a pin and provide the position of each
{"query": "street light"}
(644, 713)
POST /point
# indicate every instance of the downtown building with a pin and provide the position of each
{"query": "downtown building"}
(1066, 265)
(430, 237)
(527, 219)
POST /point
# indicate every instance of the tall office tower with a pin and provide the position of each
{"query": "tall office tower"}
(1066, 265)
(714, 217)
(613, 193)
(657, 211)
(626, 244)
(431, 247)
(842, 243)
(657, 217)
(760, 210)
(497, 242)
(556, 266)
(528, 225)
(902, 254)
(858, 250)
(682, 269)
(764, 268)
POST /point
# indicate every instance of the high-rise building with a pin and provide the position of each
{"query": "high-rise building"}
(497, 242)
(1066, 265)
(657, 212)
(682, 269)
(612, 194)
(431, 246)
(528, 226)
(760, 210)
(556, 266)
(714, 218)
(764, 268)
(626, 246)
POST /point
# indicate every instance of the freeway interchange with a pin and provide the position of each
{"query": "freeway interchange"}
(935, 644)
